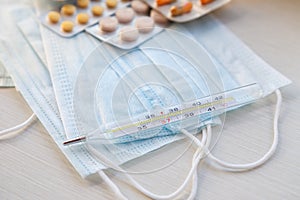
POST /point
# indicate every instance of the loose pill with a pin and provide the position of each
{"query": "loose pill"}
(144, 24)
(83, 3)
(111, 3)
(82, 18)
(67, 26)
(125, 15)
(53, 17)
(158, 17)
(140, 7)
(108, 24)
(68, 9)
(97, 10)
(129, 34)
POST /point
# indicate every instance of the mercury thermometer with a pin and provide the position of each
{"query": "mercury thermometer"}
(211, 105)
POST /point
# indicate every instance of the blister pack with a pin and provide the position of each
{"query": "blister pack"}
(126, 29)
(73, 17)
(184, 10)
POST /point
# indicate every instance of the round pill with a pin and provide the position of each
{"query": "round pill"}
(144, 24)
(125, 15)
(68, 9)
(97, 10)
(83, 3)
(129, 34)
(53, 17)
(111, 3)
(158, 17)
(82, 18)
(67, 26)
(108, 24)
(140, 7)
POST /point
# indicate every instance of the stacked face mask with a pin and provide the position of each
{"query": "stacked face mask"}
(227, 52)
(5, 79)
(39, 93)
(65, 72)
(33, 81)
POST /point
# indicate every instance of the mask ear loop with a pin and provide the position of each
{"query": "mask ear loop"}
(252, 165)
(18, 127)
(198, 155)
(111, 184)
(248, 166)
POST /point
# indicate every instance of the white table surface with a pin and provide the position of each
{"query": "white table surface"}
(32, 166)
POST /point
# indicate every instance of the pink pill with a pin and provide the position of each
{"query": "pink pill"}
(108, 24)
(140, 7)
(125, 15)
(144, 24)
(129, 34)
(158, 17)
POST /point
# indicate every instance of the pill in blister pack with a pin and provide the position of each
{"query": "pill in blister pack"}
(185, 10)
(129, 27)
(70, 19)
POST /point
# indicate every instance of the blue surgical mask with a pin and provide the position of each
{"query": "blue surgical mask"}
(231, 82)
(36, 87)
(142, 80)
(68, 70)
(5, 79)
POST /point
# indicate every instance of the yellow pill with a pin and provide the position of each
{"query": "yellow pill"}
(82, 18)
(97, 10)
(68, 9)
(83, 3)
(111, 3)
(53, 17)
(67, 26)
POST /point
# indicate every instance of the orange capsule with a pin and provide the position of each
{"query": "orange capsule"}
(187, 7)
(164, 2)
(204, 2)
(179, 10)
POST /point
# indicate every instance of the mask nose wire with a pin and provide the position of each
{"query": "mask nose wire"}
(18, 128)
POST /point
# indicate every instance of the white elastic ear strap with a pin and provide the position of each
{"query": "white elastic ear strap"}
(18, 127)
(192, 173)
(201, 151)
(264, 158)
